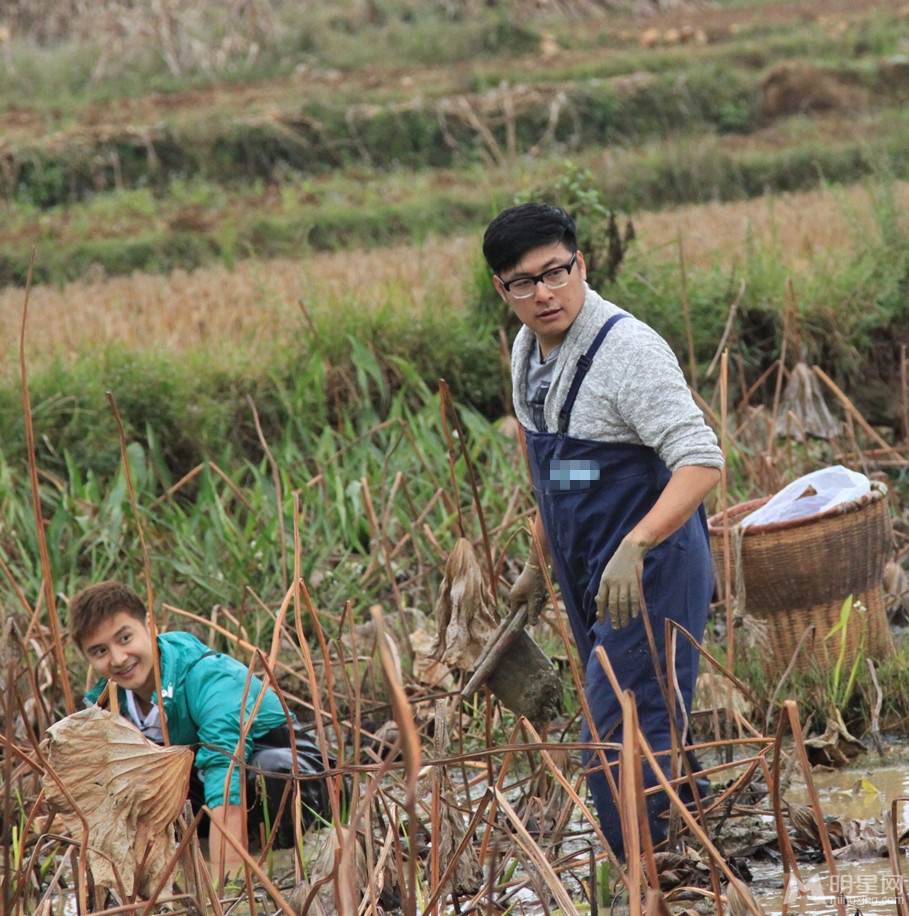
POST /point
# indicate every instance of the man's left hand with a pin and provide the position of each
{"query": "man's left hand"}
(618, 593)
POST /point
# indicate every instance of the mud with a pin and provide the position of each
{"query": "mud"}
(865, 794)
(527, 682)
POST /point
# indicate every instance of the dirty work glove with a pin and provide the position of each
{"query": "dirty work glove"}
(530, 589)
(618, 592)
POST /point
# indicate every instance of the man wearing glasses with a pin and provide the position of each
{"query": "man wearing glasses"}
(621, 461)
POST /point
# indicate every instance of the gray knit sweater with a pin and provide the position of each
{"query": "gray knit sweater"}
(635, 391)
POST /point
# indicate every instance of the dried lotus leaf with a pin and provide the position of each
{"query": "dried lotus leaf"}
(740, 901)
(467, 877)
(803, 410)
(465, 612)
(524, 677)
(426, 669)
(316, 897)
(451, 828)
(128, 790)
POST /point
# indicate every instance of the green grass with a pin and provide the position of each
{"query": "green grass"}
(189, 223)
(848, 301)
(328, 387)
(334, 439)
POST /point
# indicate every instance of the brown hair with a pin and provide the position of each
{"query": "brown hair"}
(98, 603)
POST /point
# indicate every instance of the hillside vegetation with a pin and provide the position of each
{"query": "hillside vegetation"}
(139, 141)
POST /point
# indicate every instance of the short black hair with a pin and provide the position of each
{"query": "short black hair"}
(523, 228)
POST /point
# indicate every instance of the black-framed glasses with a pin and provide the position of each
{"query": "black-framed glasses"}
(554, 278)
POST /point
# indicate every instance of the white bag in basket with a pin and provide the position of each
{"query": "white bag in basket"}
(815, 492)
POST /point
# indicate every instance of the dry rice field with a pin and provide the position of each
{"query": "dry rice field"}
(249, 308)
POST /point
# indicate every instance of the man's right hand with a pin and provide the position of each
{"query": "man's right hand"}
(529, 589)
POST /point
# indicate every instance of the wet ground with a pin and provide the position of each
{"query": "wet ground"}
(859, 796)
(863, 794)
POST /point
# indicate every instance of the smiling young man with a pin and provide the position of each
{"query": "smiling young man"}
(120, 649)
(621, 461)
(202, 693)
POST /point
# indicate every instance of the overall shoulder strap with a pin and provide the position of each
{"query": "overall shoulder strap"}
(581, 371)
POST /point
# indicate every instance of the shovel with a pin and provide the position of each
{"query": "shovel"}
(503, 656)
(518, 671)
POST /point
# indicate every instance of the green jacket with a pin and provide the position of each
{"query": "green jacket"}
(202, 693)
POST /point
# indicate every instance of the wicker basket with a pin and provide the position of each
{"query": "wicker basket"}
(796, 574)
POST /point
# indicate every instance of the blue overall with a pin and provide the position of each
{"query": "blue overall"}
(590, 495)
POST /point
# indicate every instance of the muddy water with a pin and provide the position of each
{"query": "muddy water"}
(868, 885)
